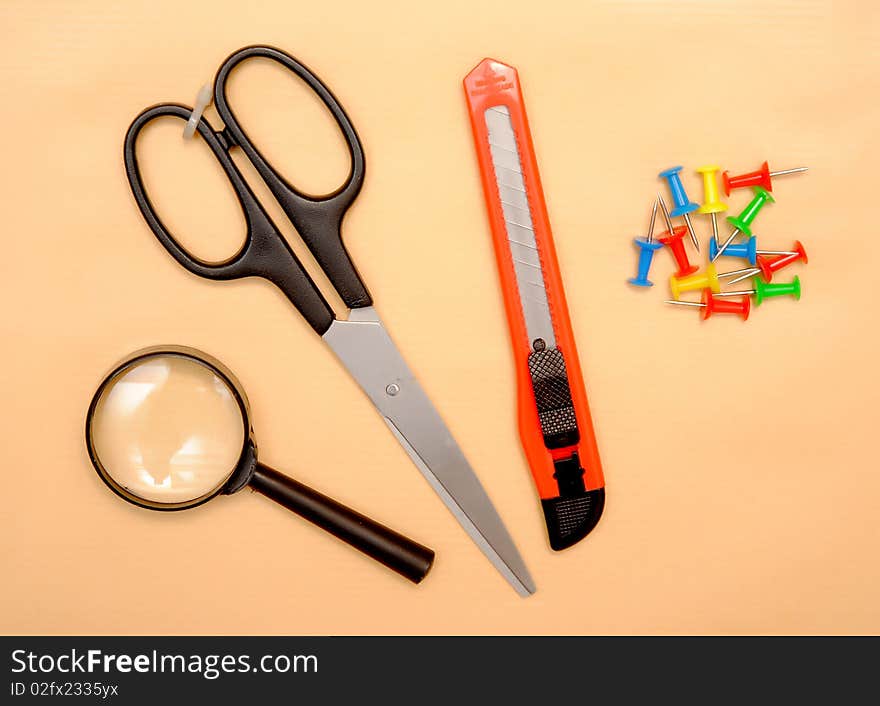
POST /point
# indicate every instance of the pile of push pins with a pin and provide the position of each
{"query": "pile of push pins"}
(762, 264)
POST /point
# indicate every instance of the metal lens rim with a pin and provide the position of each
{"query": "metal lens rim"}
(136, 358)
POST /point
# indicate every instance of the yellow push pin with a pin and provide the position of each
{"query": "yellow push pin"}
(711, 202)
(708, 279)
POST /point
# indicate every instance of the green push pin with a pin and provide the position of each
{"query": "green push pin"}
(766, 290)
(743, 222)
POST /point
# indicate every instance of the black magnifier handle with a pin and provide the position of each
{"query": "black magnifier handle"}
(401, 554)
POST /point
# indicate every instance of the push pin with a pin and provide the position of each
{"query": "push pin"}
(762, 177)
(683, 205)
(713, 305)
(768, 265)
(701, 280)
(675, 243)
(673, 240)
(711, 202)
(647, 248)
(747, 251)
(764, 290)
(743, 222)
(203, 100)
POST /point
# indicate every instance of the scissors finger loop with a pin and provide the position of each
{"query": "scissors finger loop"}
(234, 266)
(265, 253)
(346, 193)
(318, 219)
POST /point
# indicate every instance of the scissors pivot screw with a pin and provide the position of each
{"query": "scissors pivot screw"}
(392, 389)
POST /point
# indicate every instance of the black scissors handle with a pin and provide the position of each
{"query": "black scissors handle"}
(318, 220)
(265, 252)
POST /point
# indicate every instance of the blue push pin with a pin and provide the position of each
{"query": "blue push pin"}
(683, 205)
(747, 250)
(647, 248)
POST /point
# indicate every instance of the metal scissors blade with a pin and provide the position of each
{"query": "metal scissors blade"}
(367, 351)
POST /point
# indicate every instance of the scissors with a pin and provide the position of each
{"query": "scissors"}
(360, 342)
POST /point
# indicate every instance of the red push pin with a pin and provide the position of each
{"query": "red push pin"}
(676, 245)
(672, 238)
(761, 177)
(768, 265)
(713, 305)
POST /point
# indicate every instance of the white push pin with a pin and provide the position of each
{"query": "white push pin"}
(204, 98)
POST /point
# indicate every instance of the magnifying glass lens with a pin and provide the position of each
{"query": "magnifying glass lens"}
(167, 430)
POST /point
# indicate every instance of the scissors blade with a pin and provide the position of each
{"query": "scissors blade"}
(369, 354)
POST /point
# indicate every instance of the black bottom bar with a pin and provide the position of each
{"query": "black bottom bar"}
(451, 670)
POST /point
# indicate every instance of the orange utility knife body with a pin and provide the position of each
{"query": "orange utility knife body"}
(554, 417)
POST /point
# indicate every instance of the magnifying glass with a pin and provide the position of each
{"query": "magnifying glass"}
(169, 429)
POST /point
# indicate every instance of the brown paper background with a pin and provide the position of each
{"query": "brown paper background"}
(743, 490)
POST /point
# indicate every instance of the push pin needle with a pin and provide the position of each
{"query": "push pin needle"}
(651, 226)
(783, 172)
(745, 274)
(665, 212)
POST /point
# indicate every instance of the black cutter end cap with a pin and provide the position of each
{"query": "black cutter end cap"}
(570, 519)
